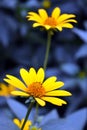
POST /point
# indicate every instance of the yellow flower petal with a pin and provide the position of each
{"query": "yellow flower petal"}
(58, 93)
(40, 101)
(11, 88)
(56, 12)
(15, 82)
(3, 90)
(35, 17)
(55, 101)
(36, 24)
(25, 76)
(70, 20)
(64, 17)
(59, 28)
(40, 75)
(20, 93)
(52, 86)
(67, 25)
(49, 81)
(33, 75)
(43, 14)
(17, 122)
(27, 124)
(47, 27)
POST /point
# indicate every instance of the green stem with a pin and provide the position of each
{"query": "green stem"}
(28, 112)
(45, 65)
(47, 50)
(36, 114)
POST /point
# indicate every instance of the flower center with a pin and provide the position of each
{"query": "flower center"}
(50, 21)
(36, 90)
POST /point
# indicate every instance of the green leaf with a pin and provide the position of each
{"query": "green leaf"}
(7, 124)
(53, 115)
(75, 121)
(19, 109)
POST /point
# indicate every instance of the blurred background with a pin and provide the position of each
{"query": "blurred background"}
(24, 46)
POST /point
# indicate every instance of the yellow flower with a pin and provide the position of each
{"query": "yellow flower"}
(46, 4)
(20, 123)
(5, 90)
(28, 124)
(35, 128)
(35, 86)
(55, 21)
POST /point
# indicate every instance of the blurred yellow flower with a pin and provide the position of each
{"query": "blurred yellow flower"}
(28, 124)
(35, 128)
(46, 4)
(35, 86)
(5, 90)
(20, 123)
(82, 74)
(55, 21)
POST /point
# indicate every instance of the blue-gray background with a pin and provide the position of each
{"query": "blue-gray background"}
(24, 46)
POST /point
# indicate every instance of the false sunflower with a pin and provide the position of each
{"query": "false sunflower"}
(55, 21)
(33, 85)
(5, 90)
(19, 123)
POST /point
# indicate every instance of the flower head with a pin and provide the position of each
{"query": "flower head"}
(28, 124)
(55, 21)
(20, 123)
(46, 4)
(5, 90)
(35, 86)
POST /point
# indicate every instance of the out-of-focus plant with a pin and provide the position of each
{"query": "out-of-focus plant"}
(5, 90)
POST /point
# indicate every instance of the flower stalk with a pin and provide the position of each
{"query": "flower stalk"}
(27, 114)
(47, 50)
(45, 63)
(36, 113)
